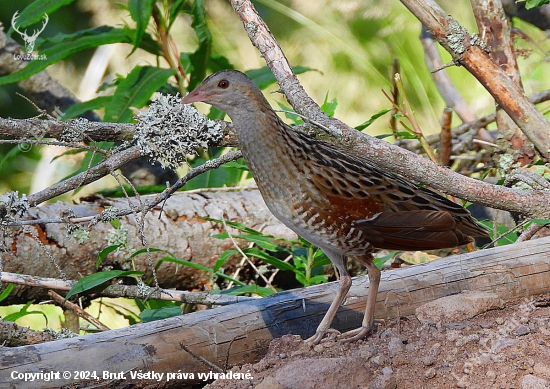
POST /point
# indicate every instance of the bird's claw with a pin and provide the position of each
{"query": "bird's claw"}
(361, 332)
(320, 336)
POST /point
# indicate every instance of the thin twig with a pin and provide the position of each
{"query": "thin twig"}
(129, 291)
(308, 120)
(519, 225)
(53, 143)
(79, 311)
(445, 137)
(530, 232)
(201, 359)
(445, 66)
(246, 257)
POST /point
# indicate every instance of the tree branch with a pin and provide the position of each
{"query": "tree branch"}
(104, 168)
(128, 291)
(390, 157)
(467, 50)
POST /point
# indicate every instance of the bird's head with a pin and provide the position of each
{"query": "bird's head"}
(228, 90)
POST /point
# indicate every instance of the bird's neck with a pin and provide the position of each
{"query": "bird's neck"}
(259, 128)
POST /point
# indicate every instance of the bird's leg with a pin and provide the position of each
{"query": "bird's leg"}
(368, 320)
(341, 264)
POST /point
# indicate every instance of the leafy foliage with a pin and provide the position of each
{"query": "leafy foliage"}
(307, 261)
(24, 312)
(96, 279)
(529, 4)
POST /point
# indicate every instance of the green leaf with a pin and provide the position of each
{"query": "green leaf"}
(263, 77)
(176, 7)
(124, 312)
(541, 222)
(69, 44)
(148, 315)
(24, 312)
(320, 259)
(142, 190)
(69, 152)
(35, 12)
(255, 289)
(486, 173)
(236, 225)
(379, 262)
(140, 11)
(318, 279)
(80, 108)
(238, 164)
(153, 250)
(276, 262)
(364, 125)
(224, 176)
(506, 239)
(200, 57)
(221, 260)
(264, 242)
(6, 292)
(115, 223)
(14, 152)
(97, 158)
(329, 107)
(135, 91)
(219, 62)
(96, 279)
(196, 266)
(535, 3)
(406, 135)
(106, 251)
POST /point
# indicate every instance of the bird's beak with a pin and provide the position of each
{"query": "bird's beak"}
(197, 95)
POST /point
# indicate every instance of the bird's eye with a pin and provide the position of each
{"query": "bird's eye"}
(223, 84)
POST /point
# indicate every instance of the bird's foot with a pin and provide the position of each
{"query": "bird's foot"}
(361, 332)
(320, 336)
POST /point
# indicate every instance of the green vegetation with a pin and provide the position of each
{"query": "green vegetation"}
(342, 50)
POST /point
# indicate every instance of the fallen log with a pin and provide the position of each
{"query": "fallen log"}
(179, 229)
(240, 333)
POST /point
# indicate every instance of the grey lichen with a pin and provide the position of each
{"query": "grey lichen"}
(117, 236)
(74, 130)
(143, 289)
(455, 36)
(78, 232)
(169, 131)
(506, 162)
(475, 40)
(251, 28)
(63, 334)
(459, 40)
(12, 207)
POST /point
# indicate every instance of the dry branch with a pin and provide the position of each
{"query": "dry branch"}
(128, 291)
(390, 157)
(466, 50)
(494, 30)
(241, 332)
(12, 335)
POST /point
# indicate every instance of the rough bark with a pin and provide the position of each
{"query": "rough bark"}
(179, 230)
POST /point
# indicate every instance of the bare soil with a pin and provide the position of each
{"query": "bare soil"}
(504, 348)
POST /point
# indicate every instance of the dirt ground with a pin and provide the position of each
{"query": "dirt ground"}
(499, 348)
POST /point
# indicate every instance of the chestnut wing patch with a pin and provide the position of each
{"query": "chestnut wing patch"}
(356, 208)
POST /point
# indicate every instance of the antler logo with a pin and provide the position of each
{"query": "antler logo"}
(29, 40)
